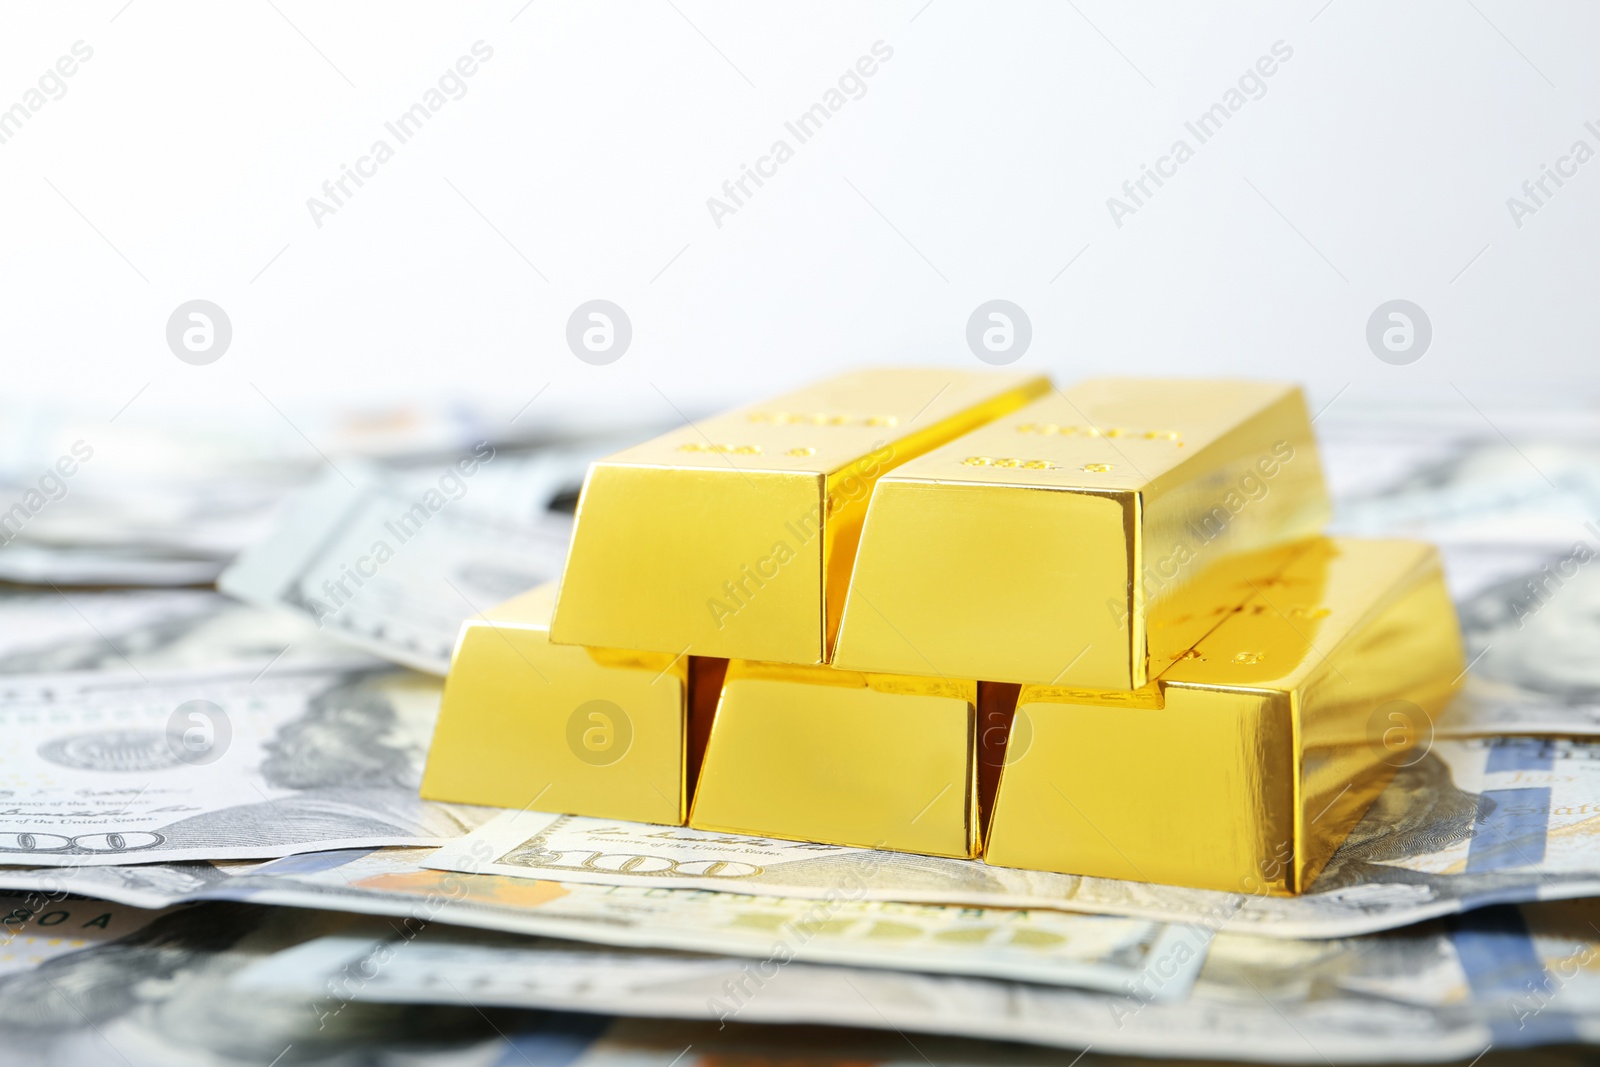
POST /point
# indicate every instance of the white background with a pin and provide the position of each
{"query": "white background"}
(978, 164)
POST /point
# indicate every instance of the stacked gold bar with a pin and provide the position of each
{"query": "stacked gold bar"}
(1090, 631)
(1243, 766)
(1041, 548)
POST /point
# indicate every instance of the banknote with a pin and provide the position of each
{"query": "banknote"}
(1532, 639)
(166, 994)
(1484, 709)
(36, 928)
(394, 565)
(1472, 821)
(170, 497)
(1051, 947)
(100, 767)
(234, 984)
(1519, 530)
(1504, 977)
(1472, 491)
(157, 630)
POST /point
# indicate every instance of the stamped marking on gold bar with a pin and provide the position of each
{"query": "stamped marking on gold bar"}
(1056, 429)
(737, 450)
(819, 418)
(1008, 461)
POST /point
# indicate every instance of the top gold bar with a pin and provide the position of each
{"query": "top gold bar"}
(733, 537)
(1043, 548)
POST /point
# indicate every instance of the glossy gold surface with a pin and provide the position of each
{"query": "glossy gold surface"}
(526, 723)
(1047, 547)
(816, 754)
(1245, 764)
(733, 537)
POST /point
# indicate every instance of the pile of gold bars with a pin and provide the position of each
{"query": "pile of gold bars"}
(1093, 631)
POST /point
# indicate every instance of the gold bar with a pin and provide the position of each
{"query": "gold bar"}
(1244, 766)
(836, 757)
(526, 723)
(734, 537)
(1041, 548)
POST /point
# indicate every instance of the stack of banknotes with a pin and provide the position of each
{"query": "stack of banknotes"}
(212, 848)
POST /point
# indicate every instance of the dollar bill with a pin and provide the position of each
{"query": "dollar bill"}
(1473, 491)
(1520, 536)
(1482, 710)
(1532, 638)
(232, 984)
(170, 497)
(168, 994)
(113, 768)
(1471, 822)
(1051, 947)
(1502, 978)
(157, 630)
(1519, 531)
(36, 928)
(395, 565)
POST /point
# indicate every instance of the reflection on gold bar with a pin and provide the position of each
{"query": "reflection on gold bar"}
(836, 757)
(1245, 764)
(1041, 548)
(525, 723)
(733, 537)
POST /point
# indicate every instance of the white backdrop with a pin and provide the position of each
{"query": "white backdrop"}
(1376, 163)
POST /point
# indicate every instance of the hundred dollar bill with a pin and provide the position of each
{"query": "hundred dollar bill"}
(1504, 977)
(169, 497)
(1468, 823)
(35, 928)
(1472, 491)
(1052, 947)
(112, 768)
(1519, 530)
(157, 630)
(395, 565)
(224, 982)
(166, 991)
(1532, 639)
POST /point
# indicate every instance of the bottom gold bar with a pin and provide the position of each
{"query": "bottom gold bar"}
(838, 757)
(528, 724)
(1248, 760)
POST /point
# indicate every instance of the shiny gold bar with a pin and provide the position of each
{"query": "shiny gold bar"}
(1246, 763)
(529, 724)
(837, 757)
(1041, 548)
(734, 537)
